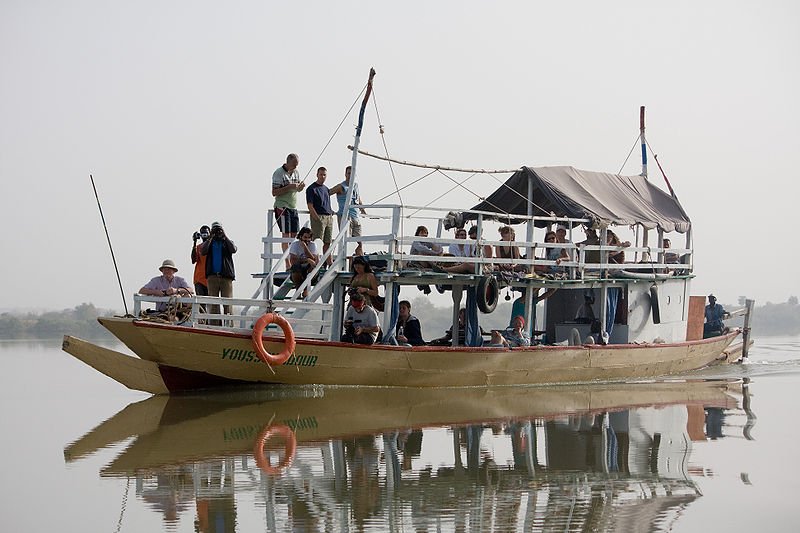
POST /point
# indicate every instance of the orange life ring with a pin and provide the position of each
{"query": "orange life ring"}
(290, 447)
(258, 341)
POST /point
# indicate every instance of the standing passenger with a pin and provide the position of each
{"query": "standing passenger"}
(199, 261)
(714, 315)
(340, 190)
(319, 207)
(219, 250)
(285, 186)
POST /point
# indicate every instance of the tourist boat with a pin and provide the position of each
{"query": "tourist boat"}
(647, 323)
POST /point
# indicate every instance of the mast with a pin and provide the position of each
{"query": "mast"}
(644, 142)
(349, 196)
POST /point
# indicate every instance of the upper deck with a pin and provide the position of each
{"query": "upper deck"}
(388, 236)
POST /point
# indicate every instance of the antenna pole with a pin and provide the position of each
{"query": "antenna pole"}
(113, 258)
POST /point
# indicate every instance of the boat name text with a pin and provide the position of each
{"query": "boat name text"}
(248, 356)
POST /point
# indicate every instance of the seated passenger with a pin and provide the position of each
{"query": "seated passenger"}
(561, 236)
(512, 337)
(364, 281)
(613, 240)
(508, 251)
(303, 257)
(360, 322)
(669, 257)
(167, 284)
(461, 249)
(408, 329)
(592, 256)
(424, 248)
(552, 254)
(469, 268)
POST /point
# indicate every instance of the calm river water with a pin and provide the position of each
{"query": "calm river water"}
(715, 452)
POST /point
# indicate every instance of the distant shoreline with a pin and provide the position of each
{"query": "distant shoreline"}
(769, 320)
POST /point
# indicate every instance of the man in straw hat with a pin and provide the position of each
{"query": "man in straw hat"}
(167, 284)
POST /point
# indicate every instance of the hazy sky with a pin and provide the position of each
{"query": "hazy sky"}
(182, 110)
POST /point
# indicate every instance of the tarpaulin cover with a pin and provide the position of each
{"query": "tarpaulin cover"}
(601, 197)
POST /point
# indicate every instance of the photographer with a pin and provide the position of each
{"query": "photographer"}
(218, 251)
(360, 321)
(199, 261)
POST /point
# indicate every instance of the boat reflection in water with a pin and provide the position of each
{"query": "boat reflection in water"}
(596, 457)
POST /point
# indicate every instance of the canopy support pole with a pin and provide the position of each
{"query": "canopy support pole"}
(644, 142)
(457, 292)
(530, 301)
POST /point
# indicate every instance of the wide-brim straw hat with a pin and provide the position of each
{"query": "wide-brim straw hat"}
(168, 263)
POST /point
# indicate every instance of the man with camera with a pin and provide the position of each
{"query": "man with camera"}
(199, 261)
(218, 251)
(360, 321)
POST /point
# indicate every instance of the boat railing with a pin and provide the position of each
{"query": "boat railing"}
(244, 313)
(398, 237)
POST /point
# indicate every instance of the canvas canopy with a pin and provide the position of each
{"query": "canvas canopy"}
(601, 197)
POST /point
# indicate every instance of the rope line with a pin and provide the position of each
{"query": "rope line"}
(314, 164)
(658, 163)
(629, 153)
(386, 150)
(525, 198)
(457, 185)
(404, 187)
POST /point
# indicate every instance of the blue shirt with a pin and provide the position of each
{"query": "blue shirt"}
(714, 314)
(318, 196)
(342, 197)
(216, 256)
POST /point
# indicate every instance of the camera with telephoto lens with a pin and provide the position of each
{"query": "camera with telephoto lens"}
(196, 235)
(453, 220)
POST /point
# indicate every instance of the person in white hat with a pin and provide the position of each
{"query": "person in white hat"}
(167, 284)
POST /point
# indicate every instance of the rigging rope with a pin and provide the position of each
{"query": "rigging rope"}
(669, 185)
(441, 168)
(404, 187)
(457, 185)
(386, 150)
(314, 164)
(629, 153)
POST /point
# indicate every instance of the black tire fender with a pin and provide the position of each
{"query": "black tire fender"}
(488, 293)
(654, 304)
